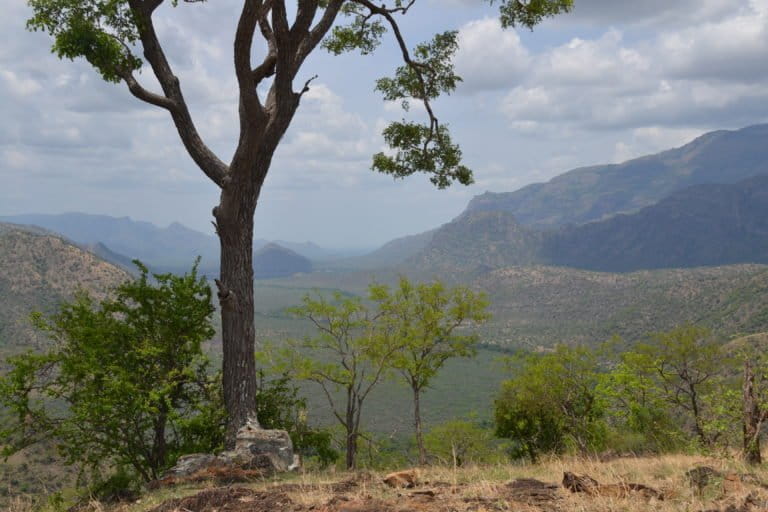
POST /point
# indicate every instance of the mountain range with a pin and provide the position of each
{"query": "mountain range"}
(701, 204)
(595, 193)
(172, 248)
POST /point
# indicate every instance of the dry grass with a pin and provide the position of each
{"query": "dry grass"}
(481, 489)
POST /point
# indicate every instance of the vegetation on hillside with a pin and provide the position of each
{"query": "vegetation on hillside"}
(39, 270)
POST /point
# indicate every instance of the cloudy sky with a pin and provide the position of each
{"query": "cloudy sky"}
(613, 80)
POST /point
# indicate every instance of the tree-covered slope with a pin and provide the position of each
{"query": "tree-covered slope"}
(537, 306)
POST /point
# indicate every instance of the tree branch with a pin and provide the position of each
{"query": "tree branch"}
(208, 162)
(149, 97)
(246, 28)
(319, 31)
(417, 67)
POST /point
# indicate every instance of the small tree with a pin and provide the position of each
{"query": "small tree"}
(637, 407)
(460, 442)
(347, 358)
(425, 320)
(113, 35)
(687, 366)
(130, 373)
(754, 394)
(552, 401)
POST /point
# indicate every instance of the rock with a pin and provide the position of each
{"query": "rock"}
(401, 479)
(576, 483)
(269, 451)
(187, 465)
(589, 485)
(530, 491)
(701, 476)
(265, 452)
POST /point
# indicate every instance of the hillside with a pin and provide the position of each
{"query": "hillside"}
(539, 306)
(273, 261)
(593, 193)
(480, 240)
(701, 225)
(664, 486)
(37, 271)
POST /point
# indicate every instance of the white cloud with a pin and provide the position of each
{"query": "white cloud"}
(612, 81)
(489, 57)
(707, 75)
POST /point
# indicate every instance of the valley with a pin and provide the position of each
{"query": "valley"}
(683, 251)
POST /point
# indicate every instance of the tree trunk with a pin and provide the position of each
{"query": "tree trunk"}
(417, 426)
(351, 458)
(696, 416)
(234, 217)
(159, 445)
(751, 417)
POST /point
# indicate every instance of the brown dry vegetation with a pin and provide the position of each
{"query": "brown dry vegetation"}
(476, 489)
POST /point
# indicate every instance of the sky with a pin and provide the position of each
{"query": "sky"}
(613, 80)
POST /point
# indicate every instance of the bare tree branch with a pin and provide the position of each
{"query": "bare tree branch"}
(246, 28)
(149, 97)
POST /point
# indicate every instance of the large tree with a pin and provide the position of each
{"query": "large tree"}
(112, 35)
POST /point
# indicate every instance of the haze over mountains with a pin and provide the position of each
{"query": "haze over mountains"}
(119, 240)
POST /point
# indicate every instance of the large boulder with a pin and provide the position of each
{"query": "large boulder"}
(266, 451)
(270, 451)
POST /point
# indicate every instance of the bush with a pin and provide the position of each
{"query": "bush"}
(552, 404)
(462, 442)
(125, 383)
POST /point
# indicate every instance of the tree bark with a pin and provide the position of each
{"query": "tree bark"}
(417, 426)
(751, 417)
(234, 217)
(696, 416)
(351, 455)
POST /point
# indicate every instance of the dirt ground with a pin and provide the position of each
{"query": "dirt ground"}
(369, 493)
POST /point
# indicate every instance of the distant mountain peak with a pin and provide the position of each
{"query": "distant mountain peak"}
(274, 260)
